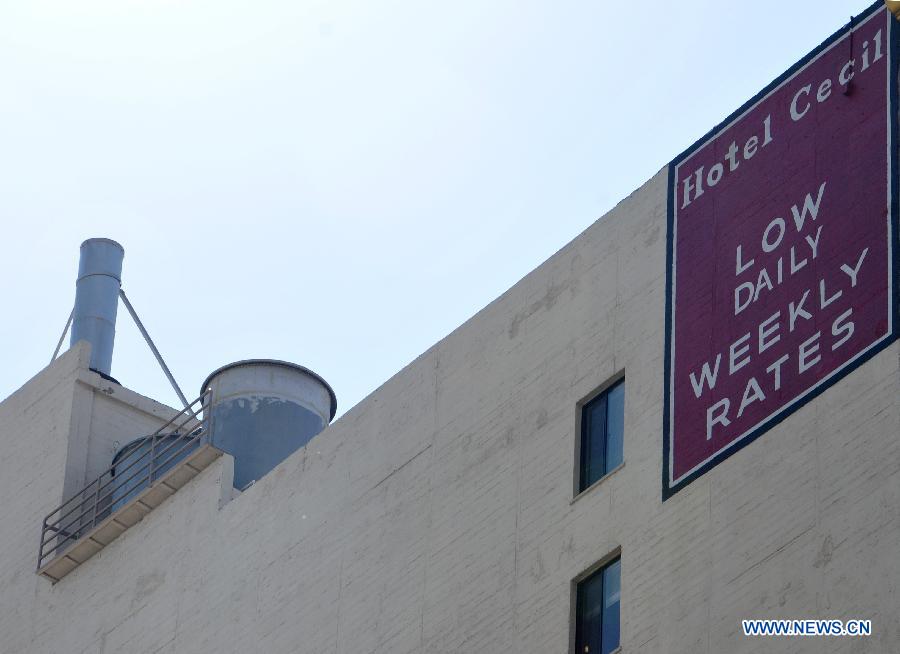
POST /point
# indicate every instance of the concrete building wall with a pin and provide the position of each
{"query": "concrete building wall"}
(35, 423)
(438, 514)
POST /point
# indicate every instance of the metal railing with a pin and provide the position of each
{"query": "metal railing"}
(132, 472)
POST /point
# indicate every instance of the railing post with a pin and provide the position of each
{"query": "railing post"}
(152, 458)
(96, 502)
(206, 405)
(41, 548)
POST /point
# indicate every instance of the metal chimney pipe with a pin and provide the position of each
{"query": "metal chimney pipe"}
(97, 299)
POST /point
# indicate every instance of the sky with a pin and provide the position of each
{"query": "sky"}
(339, 183)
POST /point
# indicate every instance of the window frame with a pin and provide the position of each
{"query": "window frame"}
(581, 405)
(596, 569)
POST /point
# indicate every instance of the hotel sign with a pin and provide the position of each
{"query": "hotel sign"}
(782, 251)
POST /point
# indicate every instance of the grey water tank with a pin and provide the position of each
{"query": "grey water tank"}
(131, 469)
(263, 410)
(97, 299)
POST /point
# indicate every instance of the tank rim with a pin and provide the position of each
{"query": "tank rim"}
(100, 239)
(275, 362)
(135, 443)
(128, 447)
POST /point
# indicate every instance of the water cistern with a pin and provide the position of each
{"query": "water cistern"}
(133, 468)
(263, 410)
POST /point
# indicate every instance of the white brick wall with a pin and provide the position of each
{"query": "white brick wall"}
(437, 515)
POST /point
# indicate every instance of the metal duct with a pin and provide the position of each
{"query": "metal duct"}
(262, 411)
(97, 299)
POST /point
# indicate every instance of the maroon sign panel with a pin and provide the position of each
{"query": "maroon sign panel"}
(781, 249)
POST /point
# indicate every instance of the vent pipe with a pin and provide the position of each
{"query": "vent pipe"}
(262, 411)
(97, 298)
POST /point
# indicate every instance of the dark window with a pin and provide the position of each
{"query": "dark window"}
(597, 611)
(602, 429)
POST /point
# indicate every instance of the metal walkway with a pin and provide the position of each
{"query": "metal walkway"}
(127, 491)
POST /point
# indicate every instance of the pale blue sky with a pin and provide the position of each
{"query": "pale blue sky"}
(340, 183)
